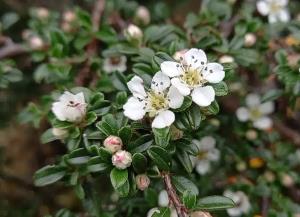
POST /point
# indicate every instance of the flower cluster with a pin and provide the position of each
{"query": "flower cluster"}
(189, 77)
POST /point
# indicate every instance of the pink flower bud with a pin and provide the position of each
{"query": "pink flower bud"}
(142, 181)
(42, 13)
(133, 32)
(143, 15)
(36, 43)
(69, 16)
(113, 143)
(121, 159)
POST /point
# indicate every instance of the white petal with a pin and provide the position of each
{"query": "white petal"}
(207, 143)
(175, 97)
(263, 7)
(134, 109)
(266, 108)
(283, 2)
(284, 15)
(163, 119)
(151, 212)
(214, 73)
(79, 98)
(171, 68)
(234, 212)
(66, 97)
(202, 167)
(58, 111)
(136, 87)
(213, 154)
(163, 198)
(242, 114)
(203, 96)
(195, 58)
(160, 82)
(181, 87)
(252, 100)
(263, 123)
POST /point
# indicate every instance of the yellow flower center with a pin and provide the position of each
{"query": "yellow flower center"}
(255, 114)
(275, 7)
(157, 102)
(202, 155)
(193, 78)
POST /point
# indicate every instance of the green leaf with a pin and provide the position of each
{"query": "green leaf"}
(125, 134)
(221, 89)
(118, 177)
(185, 160)
(214, 203)
(78, 156)
(48, 175)
(48, 136)
(162, 136)
(189, 120)
(189, 199)
(271, 95)
(212, 109)
(183, 184)
(79, 191)
(124, 189)
(160, 157)
(96, 164)
(151, 196)
(141, 144)
(90, 118)
(107, 34)
(121, 98)
(139, 163)
(105, 155)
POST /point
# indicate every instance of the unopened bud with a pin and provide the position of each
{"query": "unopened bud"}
(241, 166)
(142, 181)
(251, 135)
(249, 39)
(122, 159)
(42, 13)
(287, 180)
(113, 143)
(26, 34)
(59, 133)
(269, 176)
(133, 32)
(69, 16)
(142, 15)
(215, 122)
(226, 59)
(36, 43)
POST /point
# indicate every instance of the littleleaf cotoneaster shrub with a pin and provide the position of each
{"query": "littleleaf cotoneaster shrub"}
(139, 104)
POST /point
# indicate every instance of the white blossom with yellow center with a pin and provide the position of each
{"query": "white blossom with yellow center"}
(192, 74)
(207, 154)
(256, 112)
(242, 204)
(157, 101)
(275, 10)
(115, 63)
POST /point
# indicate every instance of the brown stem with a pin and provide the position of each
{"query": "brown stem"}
(11, 49)
(180, 208)
(265, 207)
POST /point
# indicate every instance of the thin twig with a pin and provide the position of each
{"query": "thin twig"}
(180, 208)
(11, 49)
(265, 207)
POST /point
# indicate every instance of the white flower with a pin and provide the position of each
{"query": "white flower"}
(241, 201)
(207, 153)
(275, 10)
(115, 63)
(70, 107)
(133, 32)
(156, 101)
(142, 14)
(113, 143)
(122, 159)
(256, 112)
(226, 59)
(191, 75)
